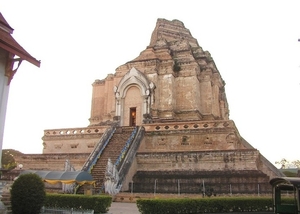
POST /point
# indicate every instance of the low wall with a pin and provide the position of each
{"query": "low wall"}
(74, 140)
(198, 160)
(51, 161)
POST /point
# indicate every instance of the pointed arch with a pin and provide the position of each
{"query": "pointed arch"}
(133, 79)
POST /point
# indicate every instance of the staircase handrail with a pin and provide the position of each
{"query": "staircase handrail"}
(111, 184)
(130, 155)
(94, 156)
(126, 146)
(114, 175)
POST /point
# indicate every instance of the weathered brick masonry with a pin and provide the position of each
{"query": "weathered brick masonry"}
(175, 91)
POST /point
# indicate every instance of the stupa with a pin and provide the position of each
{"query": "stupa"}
(160, 123)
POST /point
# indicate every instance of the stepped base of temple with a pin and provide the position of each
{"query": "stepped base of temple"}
(193, 157)
(201, 182)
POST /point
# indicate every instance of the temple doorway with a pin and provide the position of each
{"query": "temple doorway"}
(132, 107)
(132, 117)
(133, 98)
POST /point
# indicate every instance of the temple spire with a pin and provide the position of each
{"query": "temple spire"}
(171, 31)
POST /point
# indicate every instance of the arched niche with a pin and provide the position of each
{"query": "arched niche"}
(133, 95)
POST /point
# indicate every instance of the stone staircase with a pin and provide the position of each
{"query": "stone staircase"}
(5, 206)
(112, 151)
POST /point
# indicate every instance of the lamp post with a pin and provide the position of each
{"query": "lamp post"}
(178, 187)
(155, 183)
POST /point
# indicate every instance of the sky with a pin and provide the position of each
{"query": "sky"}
(254, 45)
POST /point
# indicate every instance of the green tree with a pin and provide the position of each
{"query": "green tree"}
(296, 163)
(8, 161)
(284, 163)
(27, 194)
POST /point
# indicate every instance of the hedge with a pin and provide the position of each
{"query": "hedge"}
(98, 203)
(205, 205)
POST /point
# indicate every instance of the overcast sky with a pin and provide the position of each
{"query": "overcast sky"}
(253, 43)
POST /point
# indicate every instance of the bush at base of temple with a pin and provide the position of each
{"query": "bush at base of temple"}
(27, 194)
(98, 203)
(205, 205)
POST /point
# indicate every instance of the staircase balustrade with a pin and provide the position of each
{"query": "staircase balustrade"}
(114, 180)
(127, 145)
(95, 155)
(130, 155)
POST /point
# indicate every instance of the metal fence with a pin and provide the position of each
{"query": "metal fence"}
(49, 210)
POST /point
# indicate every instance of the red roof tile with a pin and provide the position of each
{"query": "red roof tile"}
(8, 43)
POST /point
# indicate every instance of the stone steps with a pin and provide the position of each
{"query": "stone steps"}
(112, 151)
(6, 201)
(5, 196)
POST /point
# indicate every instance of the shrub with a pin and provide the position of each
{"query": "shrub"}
(205, 205)
(27, 194)
(98, 203)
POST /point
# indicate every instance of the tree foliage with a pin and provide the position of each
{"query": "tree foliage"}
(283, 162)
(296, 163)
(8, 161)
(27, 194)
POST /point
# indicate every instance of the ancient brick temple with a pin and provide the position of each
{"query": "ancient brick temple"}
(163, 121)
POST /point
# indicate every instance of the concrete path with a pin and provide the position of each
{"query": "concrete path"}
(131, 208)
(123, 208)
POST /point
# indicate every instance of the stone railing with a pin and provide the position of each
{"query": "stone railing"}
(115, 173)
(94, 156)
(131, 153)
(171, 126)
(125, 148)
(75, 131)
(194, 125)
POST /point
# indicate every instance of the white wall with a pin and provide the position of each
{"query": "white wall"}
(4, 90)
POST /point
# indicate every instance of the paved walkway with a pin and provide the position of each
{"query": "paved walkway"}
(131, 208)
(123, 208)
